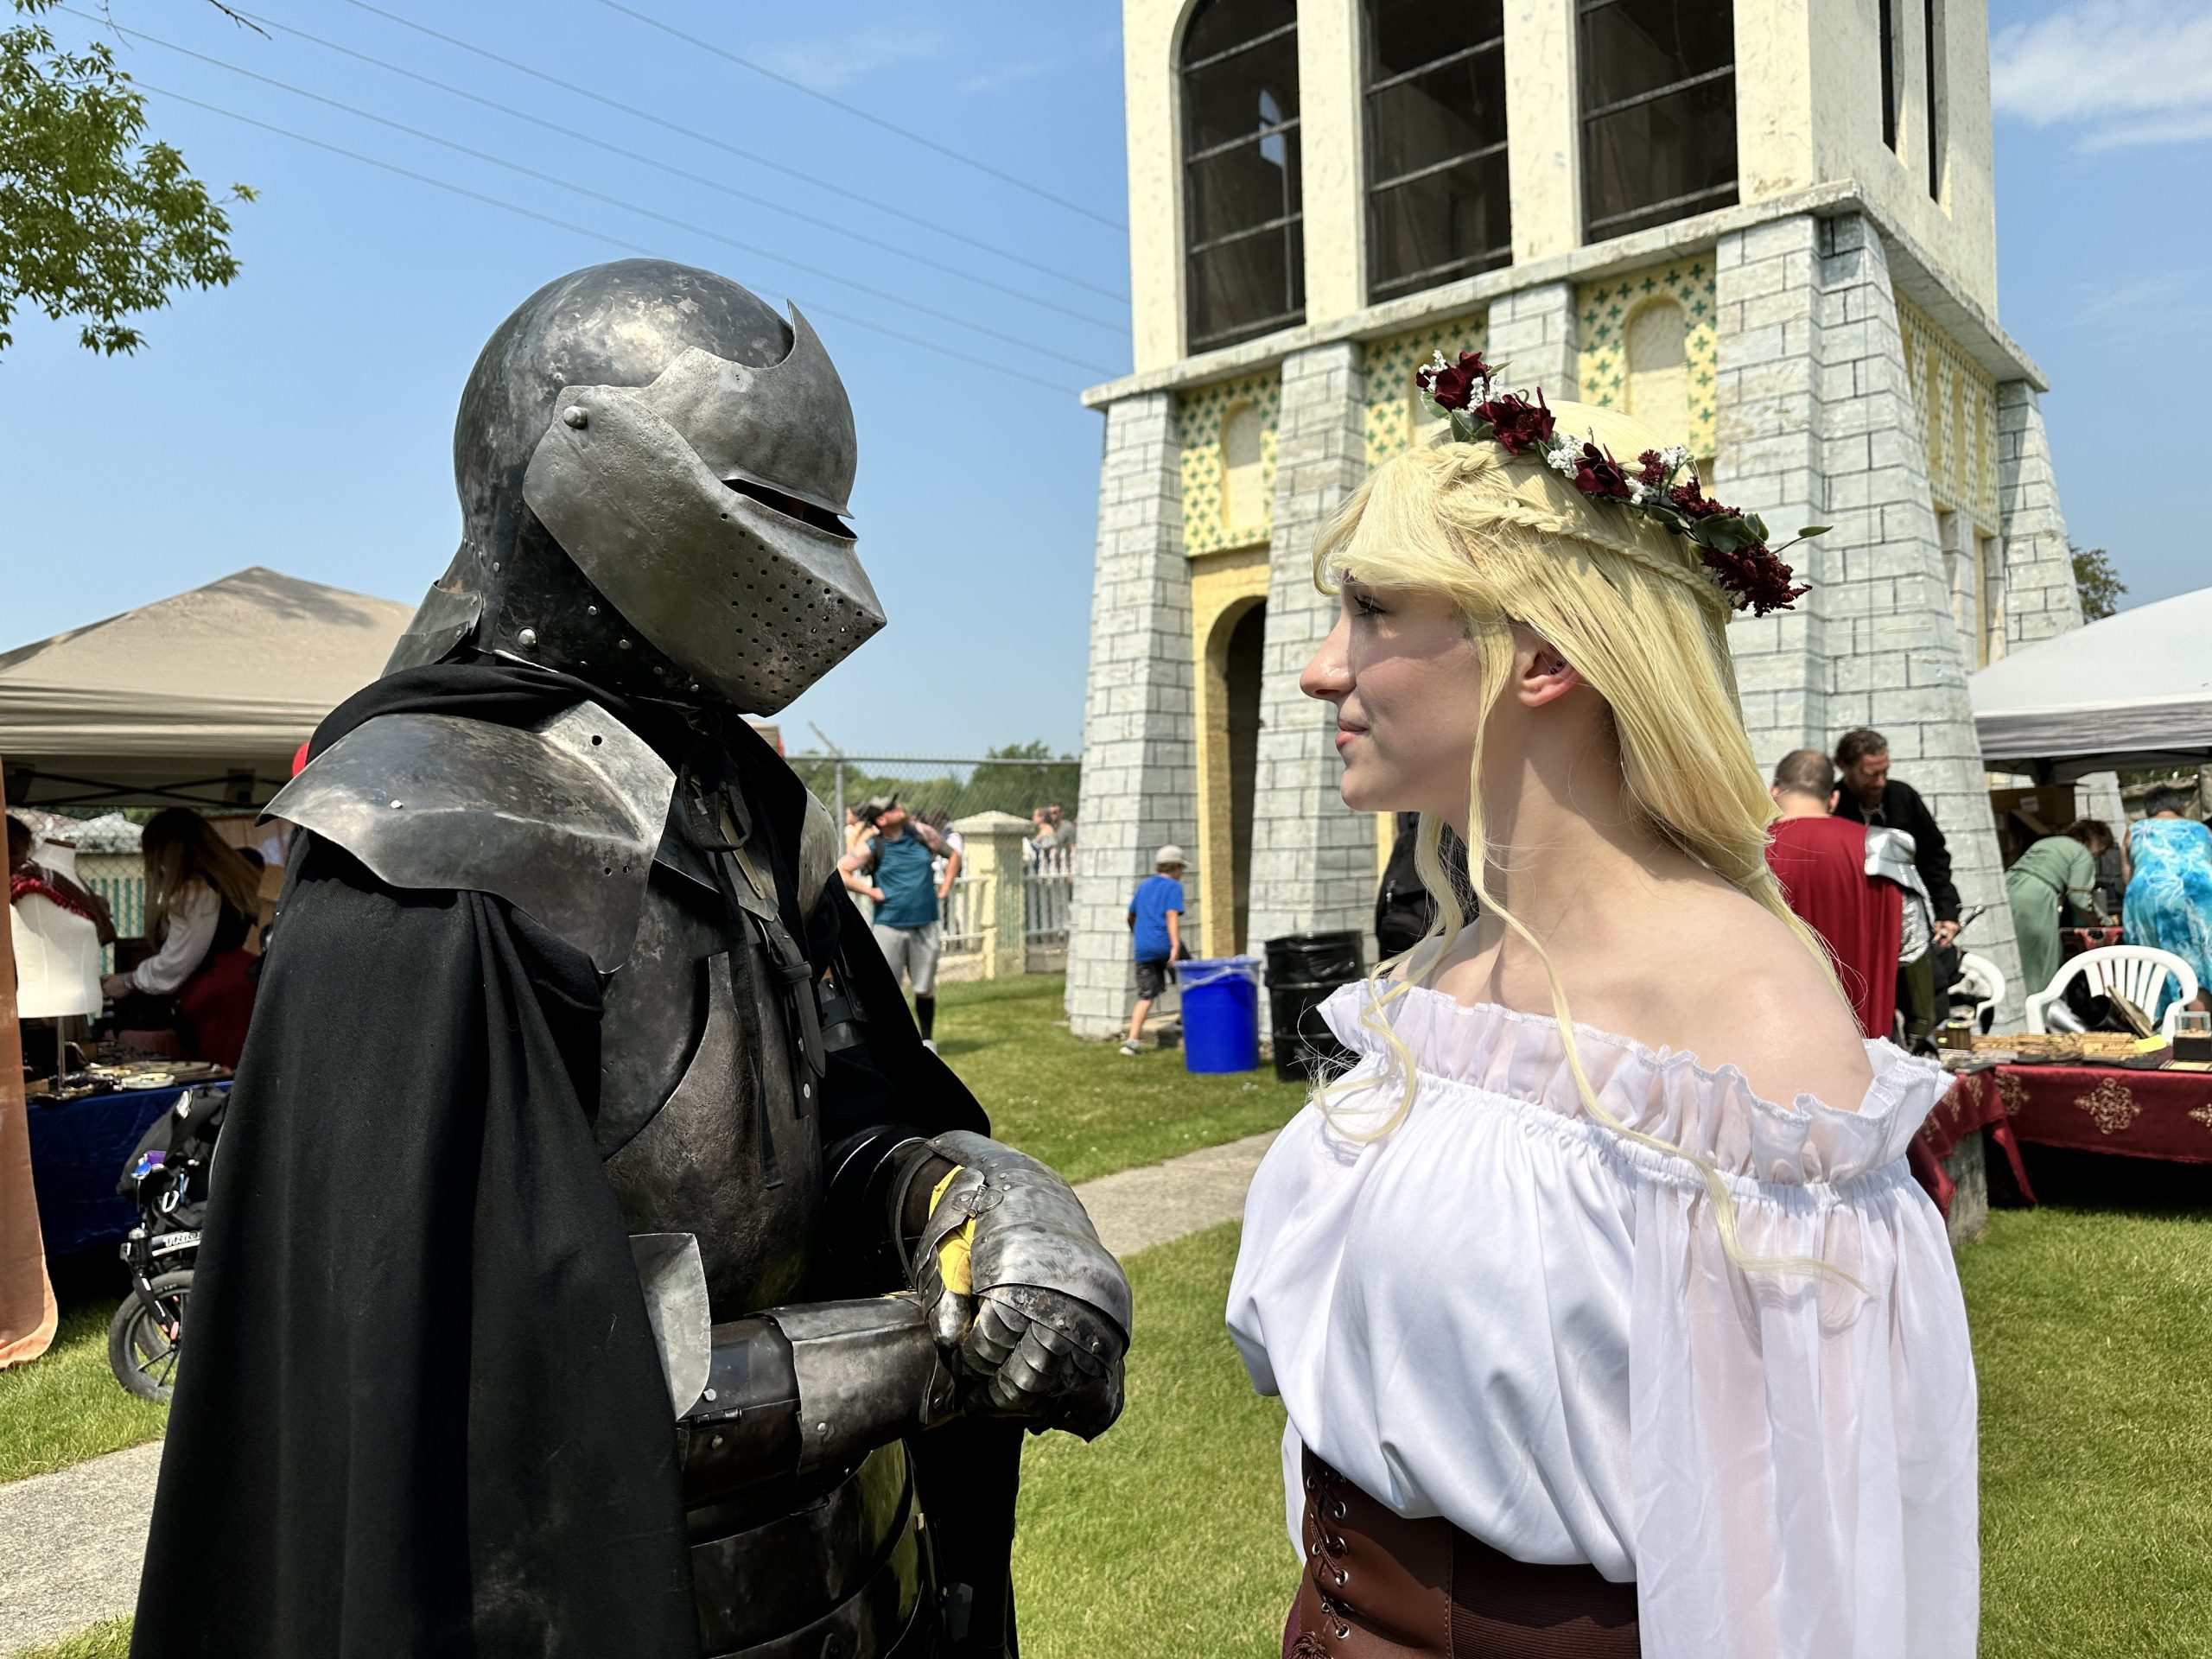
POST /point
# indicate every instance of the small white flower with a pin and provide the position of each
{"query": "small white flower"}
(1675, 457)
(1639, 493)
(1561, 457)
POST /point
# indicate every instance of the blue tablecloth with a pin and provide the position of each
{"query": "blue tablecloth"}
(78, 1151)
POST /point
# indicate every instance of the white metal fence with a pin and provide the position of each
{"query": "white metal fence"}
(1048, 887)
(1047, 891)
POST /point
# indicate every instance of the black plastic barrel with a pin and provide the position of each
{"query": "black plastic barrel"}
(1303, 968)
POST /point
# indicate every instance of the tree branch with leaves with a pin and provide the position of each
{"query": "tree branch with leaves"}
(2097, 580)
(96, 222)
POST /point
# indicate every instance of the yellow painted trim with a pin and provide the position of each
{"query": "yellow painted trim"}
(1223, 586)
(1603, 311)
(1955, 403)
(1392, 420)
(1202, 413)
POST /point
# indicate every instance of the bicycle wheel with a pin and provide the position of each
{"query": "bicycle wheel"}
(143, 1350)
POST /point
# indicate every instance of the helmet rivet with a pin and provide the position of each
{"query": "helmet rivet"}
(576, 416)
(527, 638)
(399, 802)
(495, 566)
(624, 643)
(591, 610)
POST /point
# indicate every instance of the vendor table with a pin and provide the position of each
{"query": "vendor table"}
(2163, 1115)
(78, 1151)
(1958, 1115)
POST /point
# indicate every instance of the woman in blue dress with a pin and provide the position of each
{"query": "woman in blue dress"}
(2169, 902)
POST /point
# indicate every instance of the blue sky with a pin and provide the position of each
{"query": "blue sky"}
(301, 417)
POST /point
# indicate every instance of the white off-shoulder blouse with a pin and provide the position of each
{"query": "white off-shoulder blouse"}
(1503, 1314)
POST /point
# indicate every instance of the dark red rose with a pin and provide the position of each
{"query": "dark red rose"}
(1516, 423)
(1455, 386)
(1759, 582)
(1597, 473)
(1655, 469)
(1692, 502)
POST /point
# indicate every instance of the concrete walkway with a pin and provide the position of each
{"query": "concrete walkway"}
(70, 1542)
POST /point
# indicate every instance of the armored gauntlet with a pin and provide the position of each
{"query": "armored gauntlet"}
(1033, 1308)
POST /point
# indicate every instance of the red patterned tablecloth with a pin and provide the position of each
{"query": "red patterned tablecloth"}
(2164, 1115)
(1957, 1115)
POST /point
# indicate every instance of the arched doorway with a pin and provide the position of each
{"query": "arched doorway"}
(1240, 675)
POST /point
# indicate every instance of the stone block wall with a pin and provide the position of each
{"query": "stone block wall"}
(1313, 857)
(2040, 597)
(1531, 337)
(1771, 428)
(1139, 771)
(1818, 425)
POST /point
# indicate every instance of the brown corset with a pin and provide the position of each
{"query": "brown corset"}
(1377, 1585)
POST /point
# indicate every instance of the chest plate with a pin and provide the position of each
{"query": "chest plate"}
(700, 1122)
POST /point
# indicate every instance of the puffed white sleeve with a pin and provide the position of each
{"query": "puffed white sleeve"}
(184, 946)
(1804, 1449)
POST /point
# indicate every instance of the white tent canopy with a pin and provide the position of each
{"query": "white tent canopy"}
(2134, 690)
(200, 699)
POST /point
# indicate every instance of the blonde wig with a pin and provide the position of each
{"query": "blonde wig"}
(181, 848)
(1628, 604)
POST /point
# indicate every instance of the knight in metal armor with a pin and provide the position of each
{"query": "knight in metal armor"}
(598, 1263)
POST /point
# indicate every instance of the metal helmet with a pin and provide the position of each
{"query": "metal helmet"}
(653, 469)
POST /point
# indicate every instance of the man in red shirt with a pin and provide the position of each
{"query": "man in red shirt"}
(1821, 861)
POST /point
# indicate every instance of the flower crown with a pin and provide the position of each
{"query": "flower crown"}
(1731, 544)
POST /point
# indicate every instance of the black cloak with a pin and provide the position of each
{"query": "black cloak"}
(421, 1411)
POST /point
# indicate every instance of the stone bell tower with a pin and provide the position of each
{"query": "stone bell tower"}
(1770, 228)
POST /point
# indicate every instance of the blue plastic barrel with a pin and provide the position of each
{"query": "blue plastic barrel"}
(1221, 1013)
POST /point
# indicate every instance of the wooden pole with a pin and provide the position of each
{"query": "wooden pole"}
(27, 1313)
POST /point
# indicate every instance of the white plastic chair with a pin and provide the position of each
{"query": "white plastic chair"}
(2137, 972)
(1984, 981)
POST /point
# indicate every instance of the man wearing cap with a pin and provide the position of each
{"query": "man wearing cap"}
(892, 867)
(1156, 930)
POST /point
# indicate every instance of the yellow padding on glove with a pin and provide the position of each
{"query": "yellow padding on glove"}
(953, 1250)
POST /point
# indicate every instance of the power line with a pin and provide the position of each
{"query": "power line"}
(612, 240)
(753, 157)
(601, 196)
(688, 177)
(865, 115)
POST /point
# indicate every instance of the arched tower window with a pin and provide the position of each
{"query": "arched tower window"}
(1244, 242)
(1242, 472)
(1438, 204)
(1659, 370)
(1658, 111)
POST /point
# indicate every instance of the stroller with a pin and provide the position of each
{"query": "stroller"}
(167, 1178)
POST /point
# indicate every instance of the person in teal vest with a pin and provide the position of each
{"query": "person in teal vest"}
(891, 867)
(2055, 872)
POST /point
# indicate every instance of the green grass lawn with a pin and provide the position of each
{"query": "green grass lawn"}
(2092, 1320)
(2093, 1340)
(109, 1639)
(67, 1406)
(1086, 1108)
(1164, 1539)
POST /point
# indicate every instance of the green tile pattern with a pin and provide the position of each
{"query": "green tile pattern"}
(1204, 411)
(1602, 313)
(1388, 365)
(1955, 401)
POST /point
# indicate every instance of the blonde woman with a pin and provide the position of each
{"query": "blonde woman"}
(201, 900)
(1607, 1318)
